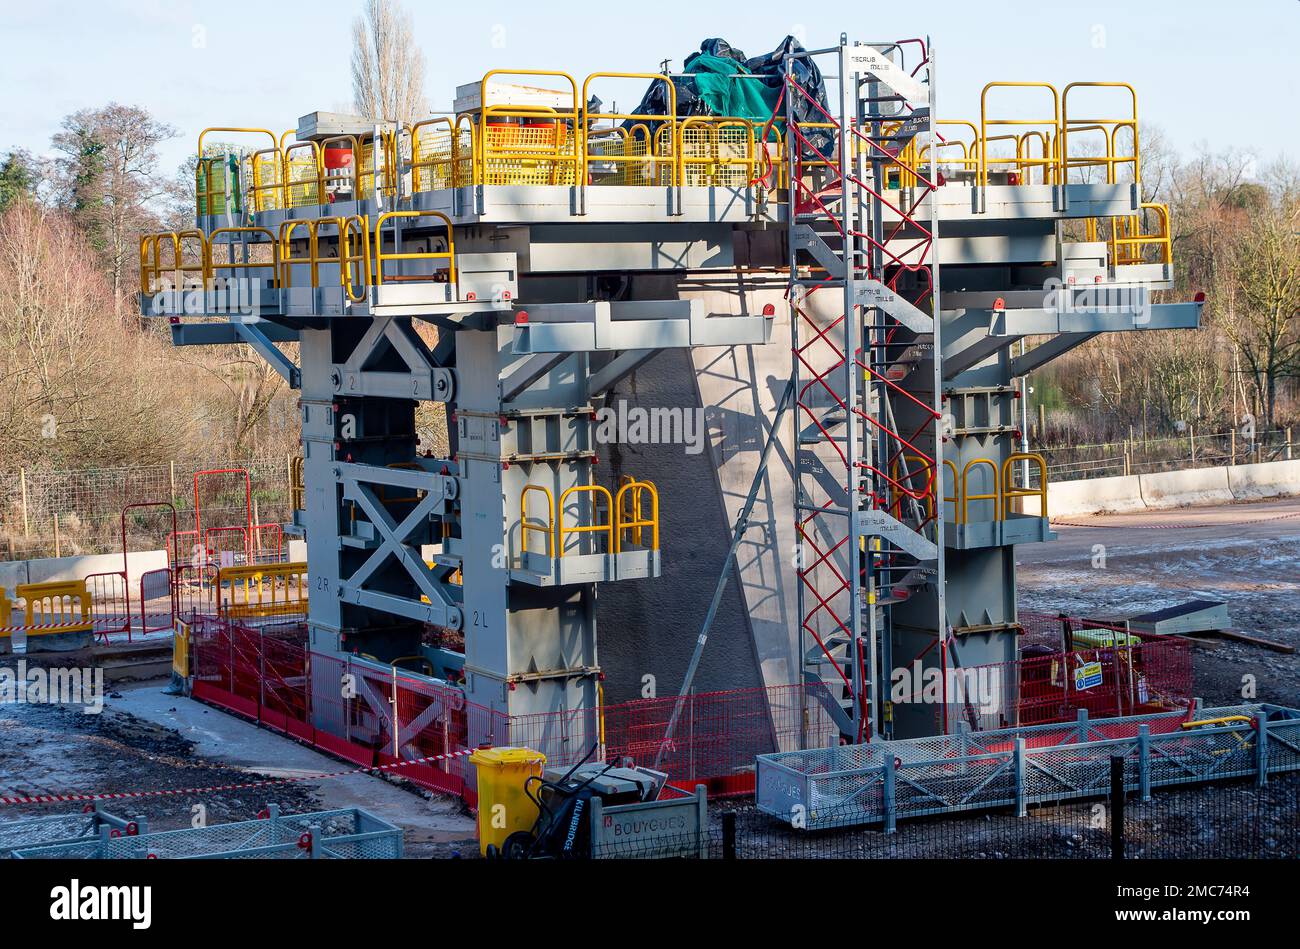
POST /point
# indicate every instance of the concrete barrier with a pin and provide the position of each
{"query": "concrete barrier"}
(1270, 479)
(1166, 489)
(1094, 496)
(50, 569)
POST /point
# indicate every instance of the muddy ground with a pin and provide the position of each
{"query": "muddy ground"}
(50, 749)
(1245, 554)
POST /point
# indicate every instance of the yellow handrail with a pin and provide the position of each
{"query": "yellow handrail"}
(204, 193)
(607, 528)
(967, 497)
(492, 163)
(380, 257)
(1113, 124)
(316, 178)
(151, 264)
(273, 265)
(635, 522)
(355, 228)
(923, 465)
(257, 186)
(1050, 165)
(673, 157)
(287, 260)
(955, 499)
(525, 527)
(1009, 490)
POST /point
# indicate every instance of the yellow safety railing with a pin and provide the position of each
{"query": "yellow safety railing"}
(527, 145)
(718, 152)
(352, 253)
(247, 264)
(923, 466)
(1129, 238)
(596, 527)
(266, 185)
(153, 266)
(304, 178)
(1011, 491)
(629, 516)
(955, 498)
(1110, 128)
(966, 495)
(631, 156)
(525, 527)
(214, 175)
(6, 613)
(1050, 164)
(381, 257)
(271, 589)
(668, 148)
(374, 177)
(442, 153)
(287, 259)
(62, 606)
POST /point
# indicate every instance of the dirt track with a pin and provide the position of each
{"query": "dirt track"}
(1245, 554)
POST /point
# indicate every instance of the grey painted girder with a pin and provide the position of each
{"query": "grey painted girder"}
(1044, 353)
(356, 479)
(423, 379)
(652, 324)
(251, 334)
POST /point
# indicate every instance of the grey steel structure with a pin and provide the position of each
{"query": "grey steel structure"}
(557, 249)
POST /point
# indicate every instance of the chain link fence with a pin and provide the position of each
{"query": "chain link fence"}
(1194, 821)
(1141, 455)
(51, 513)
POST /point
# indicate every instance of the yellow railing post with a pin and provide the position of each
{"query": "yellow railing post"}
(966, 496)
(1010, 492)
(597, 491)
(634, 522)
(380, 257)
(525, 527)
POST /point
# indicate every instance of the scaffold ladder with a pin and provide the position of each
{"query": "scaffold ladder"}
(863, 282)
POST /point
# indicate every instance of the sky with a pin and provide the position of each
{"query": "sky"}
(1207, 72)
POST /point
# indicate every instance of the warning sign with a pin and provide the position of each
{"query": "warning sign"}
(1087, 676)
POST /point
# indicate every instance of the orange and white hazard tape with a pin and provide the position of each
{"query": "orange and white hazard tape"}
(268, 782)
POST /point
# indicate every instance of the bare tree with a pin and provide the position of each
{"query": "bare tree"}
(108, 180)
(387, 66)
(1262, 316)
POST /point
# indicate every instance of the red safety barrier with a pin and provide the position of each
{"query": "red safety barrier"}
(267, 543)
(370, 714)
(110, 603)
(194, 591)
(157, 610)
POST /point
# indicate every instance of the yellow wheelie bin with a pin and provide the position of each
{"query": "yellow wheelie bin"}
(503, 807)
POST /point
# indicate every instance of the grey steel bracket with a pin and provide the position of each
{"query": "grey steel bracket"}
(528, 372)
(648, 324)
(424, 380)
(252, 334)
(442, 608)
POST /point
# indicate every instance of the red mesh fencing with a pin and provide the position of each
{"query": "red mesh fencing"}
(373, 714)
